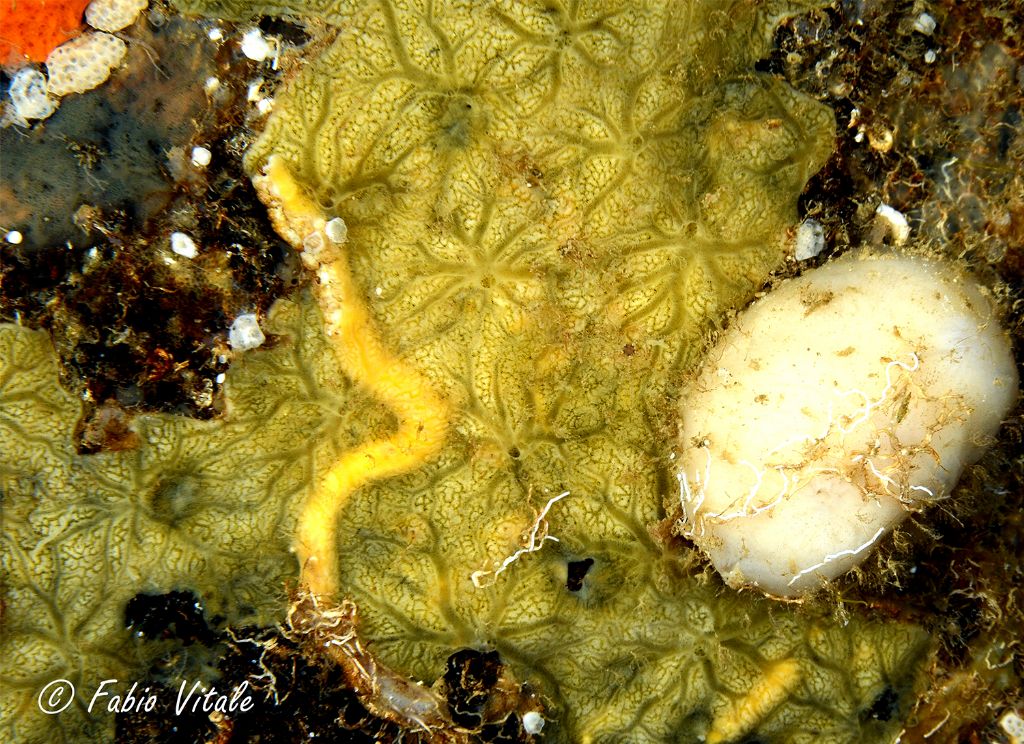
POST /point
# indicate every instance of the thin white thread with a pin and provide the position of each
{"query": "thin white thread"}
(833, 556)
(532, 545)
(686, 494)
(869, 407)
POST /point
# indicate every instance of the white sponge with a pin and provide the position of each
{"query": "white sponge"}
(245, 333)
(833, 407)
(28, 94)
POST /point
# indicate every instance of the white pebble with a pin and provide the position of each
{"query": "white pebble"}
(215, 34)
(211, 84)
(264, 106)
(337, 230)
(255, 46)
(183, 245)
(221, 377)
(13, 237)
(533, 722)
(254, 93)
(929, 56)
(245, 333)
(810, 239)
(896, 224)
(925, 24)
(29, 94)
(200, 157)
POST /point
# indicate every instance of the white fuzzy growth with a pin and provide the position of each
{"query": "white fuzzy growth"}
(201, 157)
(245, 333)
(183, 245)
(255, 91)
(84, 62)
(895, 223)
(810, 240)
(924, 24)
(856, 394)
(336, 230)
(533, 722)
(29, 95)
(113, 15)
(255, 45)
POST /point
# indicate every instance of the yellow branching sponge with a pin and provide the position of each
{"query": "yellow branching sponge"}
(422, 415)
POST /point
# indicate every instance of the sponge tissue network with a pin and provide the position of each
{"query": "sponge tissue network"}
(833, 408)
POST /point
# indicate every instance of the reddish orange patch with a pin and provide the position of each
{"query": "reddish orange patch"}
(30, 29)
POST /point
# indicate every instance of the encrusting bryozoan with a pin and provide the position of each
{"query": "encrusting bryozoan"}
(113, 15)
(834, 407)
(84, 62)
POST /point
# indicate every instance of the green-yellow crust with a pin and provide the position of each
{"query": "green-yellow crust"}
(202, 506)
(611, 169)
(547, 207)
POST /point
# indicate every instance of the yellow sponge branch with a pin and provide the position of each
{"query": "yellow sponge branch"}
(422, 414)
(768, 693)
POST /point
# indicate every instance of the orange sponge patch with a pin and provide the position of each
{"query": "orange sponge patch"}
(30, 29)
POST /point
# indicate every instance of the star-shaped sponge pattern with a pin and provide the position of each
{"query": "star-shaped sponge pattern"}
(208, 507)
